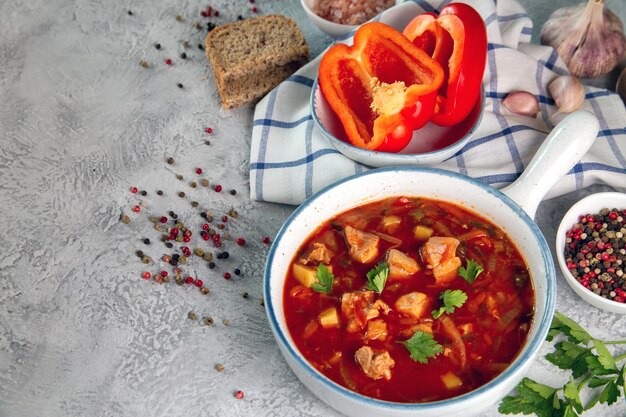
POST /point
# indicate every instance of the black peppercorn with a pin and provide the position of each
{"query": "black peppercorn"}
(225, 255)
(144, 193)
(157, 46)
(183, 55)
(211, 265)
(180, 85)
(233, 192)
(146, 241)
(159, 192)
(237, 271)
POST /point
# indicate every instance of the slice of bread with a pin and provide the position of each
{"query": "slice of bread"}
(250, 57)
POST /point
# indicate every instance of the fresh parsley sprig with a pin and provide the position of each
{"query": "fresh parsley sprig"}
(592, 366)
(377, 277)
(422, 346)
(324, 280)
(472, 271)
(451, 299)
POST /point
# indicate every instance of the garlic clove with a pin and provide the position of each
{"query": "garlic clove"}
(588, 37)
(522, 102)
(568, 93)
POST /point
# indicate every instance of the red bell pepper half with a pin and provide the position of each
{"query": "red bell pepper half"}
(457, 39)
(382, 88)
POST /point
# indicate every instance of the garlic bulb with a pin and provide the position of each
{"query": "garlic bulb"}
(589, 38)
(522, 102)
(568, 93)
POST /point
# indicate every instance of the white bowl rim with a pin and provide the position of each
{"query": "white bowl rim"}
(399, 157)
(595, 299)
(344, 26)
(518, 362)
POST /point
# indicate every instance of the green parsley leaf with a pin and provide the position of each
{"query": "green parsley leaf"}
(377, 277)
(451, 299)
(604, 356)
(570, 392)
(324, 280)
(610, 394)
(533, 398)
(422, 346)
(572, 330)
(596, 382)
(471, 273)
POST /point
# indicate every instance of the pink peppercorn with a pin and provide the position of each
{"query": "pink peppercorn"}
(208, 130)
(239, 394)
(133, 190)
(168, 61)
(224, 219)
(163, 219)
(226, 275)
(189, 280)
(198, 283)
(146, 275)
(266, 240)
(218, 188)
(241, 241)
(198, 171)
(136, 209)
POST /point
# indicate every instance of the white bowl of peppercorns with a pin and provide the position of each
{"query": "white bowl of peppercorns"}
(591, 250)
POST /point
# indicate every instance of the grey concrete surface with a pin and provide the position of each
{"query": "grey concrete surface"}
(81, 334)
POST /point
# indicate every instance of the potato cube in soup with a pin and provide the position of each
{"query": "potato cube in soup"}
(329, 318)
(306, 274)
(422, 232)
(447, 271)
(391, 223)
(414, 304)
(451, 381)
(400, 264)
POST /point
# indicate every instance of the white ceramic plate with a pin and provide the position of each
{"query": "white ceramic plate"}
(591, 204)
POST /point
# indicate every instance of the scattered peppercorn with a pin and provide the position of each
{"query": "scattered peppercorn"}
(210, 25)
(245, 295)
(170, 160)
(130, 12)
(186, 45)
(179, 18)
(194, 204)
(159, 192)
(239, 394)
(208, 321)
(189, 280)
(144, 63)
(146, 275)
(219, 367)
(254, 9)
(179, 177)
(181, 194)
(209, 130)
(146, 241)
(208, 256)
(211, 265)
(198, 283)
(233, 192)
(226, 275)
(240, 17)
(144, 193)
(169, 244)
(125, 219)
(193, 184)
(218, 188)
(241, 241)
(266, 240)
(204, 290)
(225, 255)
(191, 315)
(180, 85)
(136, 209)
(139, 253)
(207, 142)
(200, 46)
(237, 271)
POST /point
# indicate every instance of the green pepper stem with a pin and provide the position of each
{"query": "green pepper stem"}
(583, 382)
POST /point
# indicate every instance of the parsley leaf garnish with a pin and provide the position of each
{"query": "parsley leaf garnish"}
(324, 280)
(451, 300)
(422, 346)
(592, 366)
(471, 273)
(377, 277)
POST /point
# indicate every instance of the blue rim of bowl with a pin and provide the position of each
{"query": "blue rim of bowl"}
(569, 278)
(533, 348)
(400, 156)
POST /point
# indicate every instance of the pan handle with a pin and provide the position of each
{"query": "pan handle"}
(564, 146)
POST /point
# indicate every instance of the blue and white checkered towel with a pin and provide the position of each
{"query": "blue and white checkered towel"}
(290, 159)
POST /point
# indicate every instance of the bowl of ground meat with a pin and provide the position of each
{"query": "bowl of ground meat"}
(337, 18)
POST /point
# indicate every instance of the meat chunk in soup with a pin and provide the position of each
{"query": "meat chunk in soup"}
(414, 304)
(440, 255)
(376, 330)
(359, 307)
(375, 364)
(317, 253)
(400, 264)
(363, 246)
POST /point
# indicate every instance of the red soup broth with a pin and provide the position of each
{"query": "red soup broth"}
(479, 339)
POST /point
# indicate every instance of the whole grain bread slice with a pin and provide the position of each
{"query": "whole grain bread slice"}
(252, 56)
